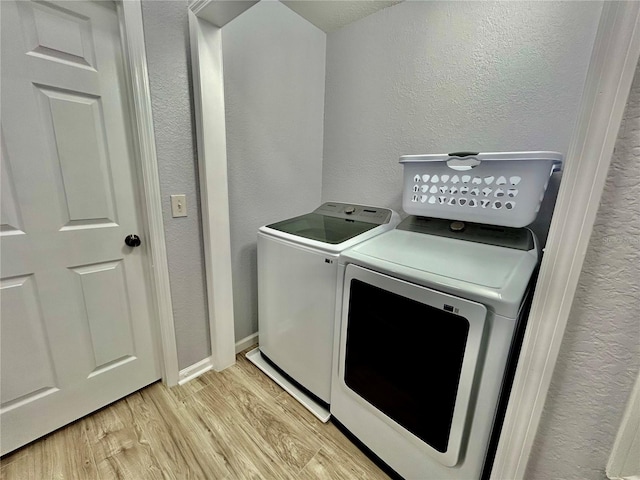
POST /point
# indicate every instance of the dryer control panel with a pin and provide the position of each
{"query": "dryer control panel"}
(517, 238)
(350, 211)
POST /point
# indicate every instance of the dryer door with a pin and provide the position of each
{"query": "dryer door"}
(410, 355)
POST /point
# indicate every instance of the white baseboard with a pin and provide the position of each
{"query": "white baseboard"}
(206, 364)
(194, 370)
(246, 342)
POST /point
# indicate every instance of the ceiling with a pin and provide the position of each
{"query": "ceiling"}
(330, 15)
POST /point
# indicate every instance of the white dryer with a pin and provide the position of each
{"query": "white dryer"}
(297, 281)
(425, 321)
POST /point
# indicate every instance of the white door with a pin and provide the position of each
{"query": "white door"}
(399, 320)
(75, 316)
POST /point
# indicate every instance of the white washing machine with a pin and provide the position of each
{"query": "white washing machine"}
(297, 281)
(425, 322)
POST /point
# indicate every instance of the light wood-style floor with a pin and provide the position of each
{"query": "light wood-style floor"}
(235, 424)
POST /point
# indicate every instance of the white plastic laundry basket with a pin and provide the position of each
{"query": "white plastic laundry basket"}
(504, 188)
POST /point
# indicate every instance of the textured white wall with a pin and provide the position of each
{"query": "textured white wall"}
(167, 45)
(274, 64)
(600, 354)
(438, 77)
(416, 77)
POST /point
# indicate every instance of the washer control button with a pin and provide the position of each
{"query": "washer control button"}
(349, 210)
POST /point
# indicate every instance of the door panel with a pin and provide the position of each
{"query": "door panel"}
(24, 342)
(59, 33)
(76, 324)
(85, 186)
(411, 325)
(423, 404)
(108, 316)
(10, 223)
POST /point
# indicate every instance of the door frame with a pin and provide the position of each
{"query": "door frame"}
(611, 70)
(206, 64)
(612, 67)
(132, 39)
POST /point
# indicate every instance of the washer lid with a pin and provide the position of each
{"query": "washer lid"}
(334, 222)
(494, 275)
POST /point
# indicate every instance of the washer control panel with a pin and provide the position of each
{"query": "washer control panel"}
(350, 211)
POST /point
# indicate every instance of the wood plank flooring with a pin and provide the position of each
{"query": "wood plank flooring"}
(235, 424)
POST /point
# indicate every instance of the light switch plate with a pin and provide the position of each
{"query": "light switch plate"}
(179, 205)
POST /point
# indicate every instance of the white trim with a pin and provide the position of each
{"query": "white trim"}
(197, 5)
(206, 61)
(206, 364)
(613, 63)
(133, 37)
(624, 455)
(195, 370)
(220, 13)
(246, 342)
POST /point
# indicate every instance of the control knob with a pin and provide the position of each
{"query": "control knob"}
(457, 226)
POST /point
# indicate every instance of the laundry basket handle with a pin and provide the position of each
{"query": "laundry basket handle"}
(462, 164)
(463, 154)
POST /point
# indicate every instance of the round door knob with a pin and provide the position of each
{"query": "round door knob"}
(132, 240)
